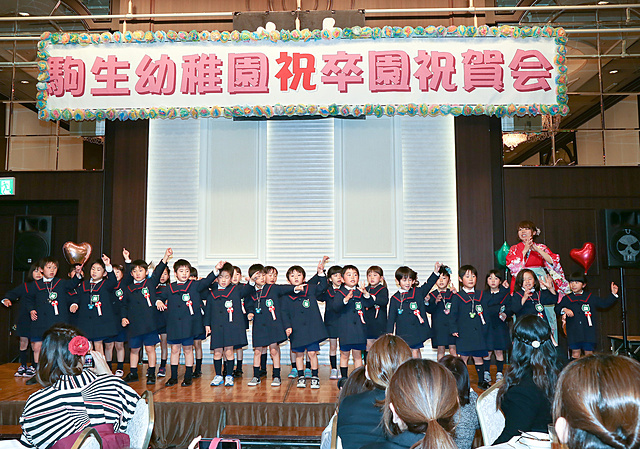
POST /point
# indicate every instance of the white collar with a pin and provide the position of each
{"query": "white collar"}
(402, 290)
(350, 288)
(469, 290)
(44, 279)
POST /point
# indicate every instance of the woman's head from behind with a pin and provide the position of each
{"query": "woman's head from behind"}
(459, 370)
(422, 398)
(597, 403)
(534, 355)
(356, 383)
(56, 358)
(386, 354)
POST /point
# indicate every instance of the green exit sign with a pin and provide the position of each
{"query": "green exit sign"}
(7, 186)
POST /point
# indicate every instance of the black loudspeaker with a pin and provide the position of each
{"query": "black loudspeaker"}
(32, 240)
(623, 238)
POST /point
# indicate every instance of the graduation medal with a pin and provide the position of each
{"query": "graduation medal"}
(358, 305)
(53, 296)
(306, 303)
(53, 301)
(95, 300)
(479, 310)
(587, 312)
(119, 294)
(145, 293)
(414, 306)
(272, 308)
(539, 307)
(229, 305)
(186, 297)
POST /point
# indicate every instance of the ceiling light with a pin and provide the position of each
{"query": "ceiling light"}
(603, 3)
(512, 140)
(23, 14)
(24, 81)
(613, 72)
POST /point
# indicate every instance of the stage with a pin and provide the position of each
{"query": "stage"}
(183, 413)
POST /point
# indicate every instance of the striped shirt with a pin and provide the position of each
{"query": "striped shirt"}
(73, 403)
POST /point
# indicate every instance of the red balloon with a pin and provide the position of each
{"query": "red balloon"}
(584, 256)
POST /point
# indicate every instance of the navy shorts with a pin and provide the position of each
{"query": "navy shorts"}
(120, 338)
(474, 353)
(584, 346)
(360, 347)
(162, 330)
(201, 336)
(313, 347)
(150, 339)
(182, 341)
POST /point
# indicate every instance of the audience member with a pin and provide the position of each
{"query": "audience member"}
(466, 418)
(526, 395)
(597, 403)
(420, 406)
(73, 397)
(359, 415)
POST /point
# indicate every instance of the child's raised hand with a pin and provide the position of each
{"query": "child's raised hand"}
(34, 315)
(160, 306)
(220, 264)
(614, 288)
(167, 254)
(250, 316)
(527, 295)
(125, 254)
(299, 288)
(322, 263)
(436, 267)
(106, 260)
(6, 302)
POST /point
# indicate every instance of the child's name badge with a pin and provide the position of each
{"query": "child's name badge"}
(95, 298)
(145, 291)
(479, 308)
(539, 307)
(358, 305)
(186, 297)
(586, 308)
(305, 303)
(53, 295)
(413, 306)
(119, 293)
(269, 303)
(228, 304)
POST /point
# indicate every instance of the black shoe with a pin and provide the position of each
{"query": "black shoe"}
(171, 382)
(186, 383)
(31, 381)
(263, 373)
(151, 379)
(483, 385)
(237, 373)
(197, 374)
(131, 377)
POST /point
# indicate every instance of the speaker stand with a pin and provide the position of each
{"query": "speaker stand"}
(623, 303)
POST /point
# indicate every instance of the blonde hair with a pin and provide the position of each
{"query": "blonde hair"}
(387, 353)
(425, 398)
(599, 396)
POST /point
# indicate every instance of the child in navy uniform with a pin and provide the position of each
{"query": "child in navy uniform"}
(138, 311)
(23, 323)
(528, 299)
(224, 320)
(161, 322)
(96, 315)
(580, 311)
(239, 350)
(439, 306)
(181, 300)
(376, 316)
(499, 310)
(408, 309)
(469, 321)
(349, 303)
(123, 278)
(48, 302)
(303, 320)
(334, 276)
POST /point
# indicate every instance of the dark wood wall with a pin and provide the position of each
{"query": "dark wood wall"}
(566, 203)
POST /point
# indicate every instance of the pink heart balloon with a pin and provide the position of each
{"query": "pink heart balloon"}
(584, 256)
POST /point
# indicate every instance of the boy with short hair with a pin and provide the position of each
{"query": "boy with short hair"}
(349, 302)
(469, 323)
(48, 302)
(138, 314)
(182, 299)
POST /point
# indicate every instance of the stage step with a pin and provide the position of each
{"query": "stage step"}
(273, 434)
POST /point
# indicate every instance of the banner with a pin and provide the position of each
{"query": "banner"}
(501, 71)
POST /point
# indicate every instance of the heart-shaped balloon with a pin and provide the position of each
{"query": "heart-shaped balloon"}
(76, 253)
(584, 256)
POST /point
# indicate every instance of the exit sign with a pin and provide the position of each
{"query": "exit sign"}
(7, 186)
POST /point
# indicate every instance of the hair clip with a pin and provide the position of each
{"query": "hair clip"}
(448, 270)
(79, 345)
(535, 344)
(537, 231)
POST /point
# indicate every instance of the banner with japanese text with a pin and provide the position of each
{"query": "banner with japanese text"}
(428, 71)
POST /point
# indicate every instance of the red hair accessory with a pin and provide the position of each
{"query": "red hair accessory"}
(79, 345)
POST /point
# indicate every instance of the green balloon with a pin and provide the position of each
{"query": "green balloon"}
(501, 255)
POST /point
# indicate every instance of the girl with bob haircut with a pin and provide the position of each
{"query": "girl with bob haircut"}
(74, 397)
(420, 406)
(359, 415)
(597, 403)
(526, 395)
